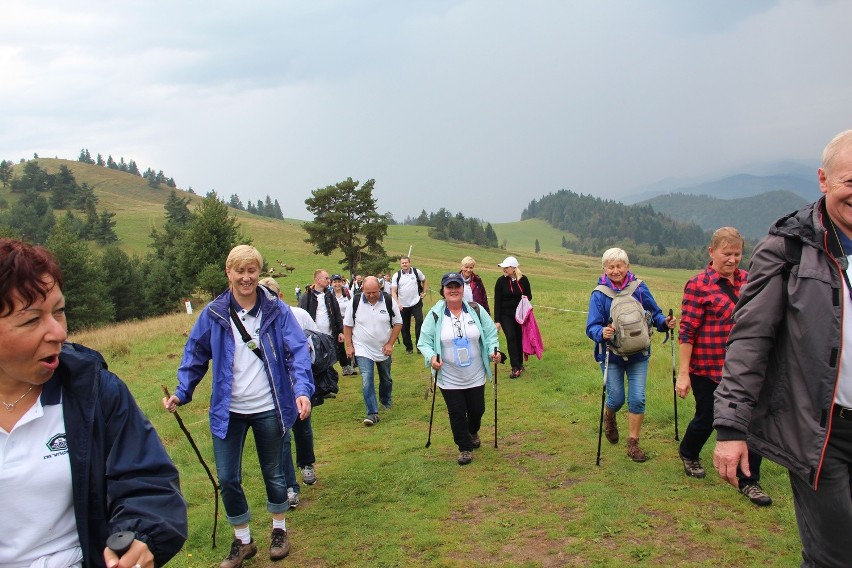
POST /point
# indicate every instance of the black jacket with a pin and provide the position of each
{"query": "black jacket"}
(123, 479)
(308, 302)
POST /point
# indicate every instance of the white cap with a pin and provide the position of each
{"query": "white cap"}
(510, 261)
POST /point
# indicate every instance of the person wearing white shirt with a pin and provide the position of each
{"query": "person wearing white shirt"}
(369, 333)
(408, 289)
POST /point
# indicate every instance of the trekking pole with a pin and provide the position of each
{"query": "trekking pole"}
(203, 463)
(603, 400)
(495, 400)
(671, 335)
(434, 391)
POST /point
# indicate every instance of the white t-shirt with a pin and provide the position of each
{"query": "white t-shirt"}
(250, 392)
(323, 319)
(406, 286)
(843, 396)
(343, 301)
(38, 509)
(452, 376)
(371, 327)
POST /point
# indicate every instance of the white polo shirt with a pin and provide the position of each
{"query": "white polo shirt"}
(371, 327)
(38, 520)
(406, 286)
(250, 391)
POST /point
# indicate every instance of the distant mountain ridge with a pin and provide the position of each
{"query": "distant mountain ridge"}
(751, 215)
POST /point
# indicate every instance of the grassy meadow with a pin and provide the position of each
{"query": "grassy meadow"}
(383, 499)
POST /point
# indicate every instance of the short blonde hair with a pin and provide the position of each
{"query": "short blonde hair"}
(243, 255)
(724, 236)
(270, 283)
(468, 260)
(614, 255)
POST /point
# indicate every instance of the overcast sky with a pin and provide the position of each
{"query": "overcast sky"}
(477, 106)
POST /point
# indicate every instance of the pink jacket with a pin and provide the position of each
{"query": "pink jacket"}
(531, 342)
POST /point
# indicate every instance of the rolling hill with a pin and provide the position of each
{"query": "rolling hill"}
(751, 215)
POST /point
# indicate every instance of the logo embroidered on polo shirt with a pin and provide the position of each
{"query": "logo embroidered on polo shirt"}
(57, 443)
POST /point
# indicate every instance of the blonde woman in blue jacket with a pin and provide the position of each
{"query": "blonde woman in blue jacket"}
(465, 337)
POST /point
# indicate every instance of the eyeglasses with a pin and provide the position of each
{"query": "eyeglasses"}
(457, 326)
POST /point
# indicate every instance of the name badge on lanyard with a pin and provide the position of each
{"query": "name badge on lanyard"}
(461, 344)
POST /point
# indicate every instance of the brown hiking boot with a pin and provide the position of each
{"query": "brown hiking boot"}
(279, 546)
(692, 467)
(239, 552)
(475, 440)
(634, 451)
(465, 458)
(610, 426)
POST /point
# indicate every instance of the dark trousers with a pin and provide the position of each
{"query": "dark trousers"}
(701, 427)
(514, 339)
(416, 311)
(303, 435)
(341, 356)
(465, 407)
(824, 516)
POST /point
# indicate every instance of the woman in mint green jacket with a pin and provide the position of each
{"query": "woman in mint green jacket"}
(465, 337)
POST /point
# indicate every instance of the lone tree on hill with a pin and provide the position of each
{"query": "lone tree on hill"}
(345, 218)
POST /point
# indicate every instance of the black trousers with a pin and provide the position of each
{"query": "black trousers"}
(417, 311)
(701, 427)
(824, 516)
(465, 407)
(514, 339)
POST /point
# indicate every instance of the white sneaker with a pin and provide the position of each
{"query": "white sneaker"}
(309, 475)
(292, 498)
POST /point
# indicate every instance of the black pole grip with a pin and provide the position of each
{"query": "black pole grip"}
(120, 542)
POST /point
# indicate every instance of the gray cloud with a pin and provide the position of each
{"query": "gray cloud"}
(477, 106)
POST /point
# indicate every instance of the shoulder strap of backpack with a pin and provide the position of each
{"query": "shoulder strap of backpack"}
(389, 306)
(355, 300)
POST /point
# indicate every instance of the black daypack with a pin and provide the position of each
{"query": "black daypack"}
(356, 299)
(631, 322)
(416, 278)
(325, 356)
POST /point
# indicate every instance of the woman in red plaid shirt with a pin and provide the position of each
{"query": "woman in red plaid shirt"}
(708, 305)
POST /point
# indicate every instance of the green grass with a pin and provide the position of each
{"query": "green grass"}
(382, 499)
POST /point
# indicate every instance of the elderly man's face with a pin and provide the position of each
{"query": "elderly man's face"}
(836, 184)
(371, 290)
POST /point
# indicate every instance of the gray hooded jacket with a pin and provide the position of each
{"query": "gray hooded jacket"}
(783, 358)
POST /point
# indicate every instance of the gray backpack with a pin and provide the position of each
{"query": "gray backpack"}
(631, 322)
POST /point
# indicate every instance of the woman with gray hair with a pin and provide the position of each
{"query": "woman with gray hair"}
(601, 329)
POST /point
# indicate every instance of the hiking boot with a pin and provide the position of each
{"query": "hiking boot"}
(515, 374)
(292, 498)
(279, 546)
(610, 426)
(465, 458)
(692, 467)
(371, 420)
(476, 441)
(239, 552)
(309, 475)
(756, 494)
(634, 451)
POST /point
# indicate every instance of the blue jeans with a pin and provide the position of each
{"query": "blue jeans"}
(637, 376)
(228, 453)
(303, 433)
(365, 365)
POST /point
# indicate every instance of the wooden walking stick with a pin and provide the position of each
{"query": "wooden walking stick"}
(203, 463)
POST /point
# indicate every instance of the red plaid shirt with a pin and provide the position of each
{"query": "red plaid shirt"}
(706, 321)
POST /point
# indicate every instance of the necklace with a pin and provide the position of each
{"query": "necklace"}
(844, 260)
(11, 407)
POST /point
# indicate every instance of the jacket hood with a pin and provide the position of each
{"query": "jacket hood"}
(805, 225)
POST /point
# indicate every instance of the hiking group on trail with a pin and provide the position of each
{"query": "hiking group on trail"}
(763, 353)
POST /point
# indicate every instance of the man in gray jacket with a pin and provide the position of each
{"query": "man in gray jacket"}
(787, 381)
